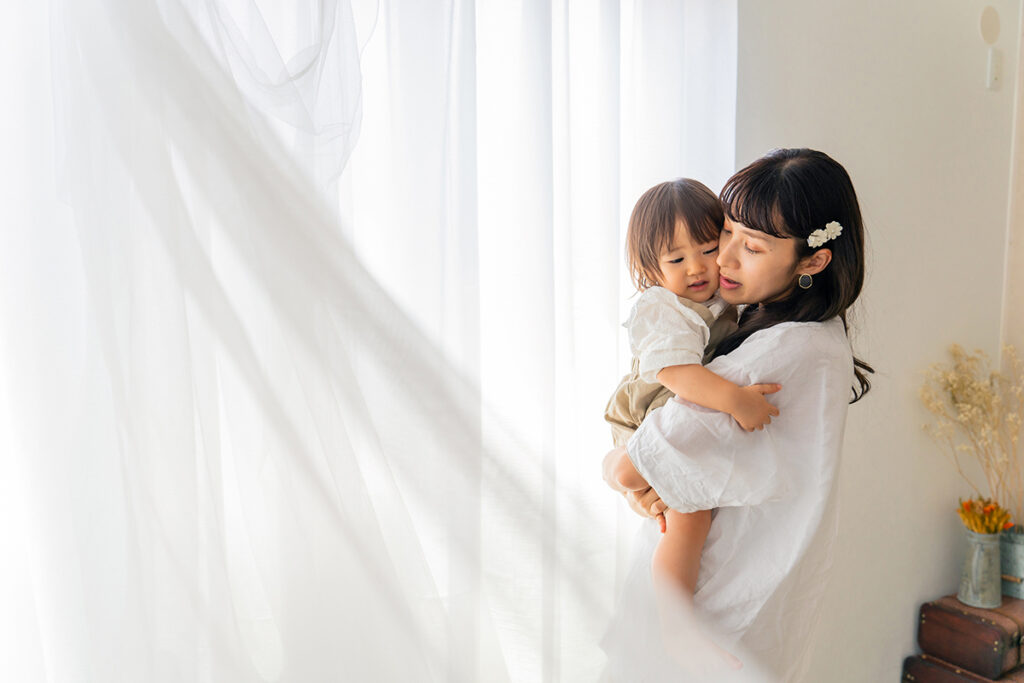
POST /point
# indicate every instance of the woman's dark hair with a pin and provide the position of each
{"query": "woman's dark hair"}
(652, 225)
(790, 193)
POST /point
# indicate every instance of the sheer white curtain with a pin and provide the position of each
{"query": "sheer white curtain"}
(252, 432)
(501, 149)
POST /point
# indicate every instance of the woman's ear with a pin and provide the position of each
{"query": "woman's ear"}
(815, 263)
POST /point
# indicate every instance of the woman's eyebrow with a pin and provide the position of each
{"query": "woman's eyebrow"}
(753, 234)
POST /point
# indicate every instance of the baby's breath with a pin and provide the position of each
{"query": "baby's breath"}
(978, 412)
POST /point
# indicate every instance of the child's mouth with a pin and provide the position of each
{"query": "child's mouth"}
(726, 283)
(699, 285)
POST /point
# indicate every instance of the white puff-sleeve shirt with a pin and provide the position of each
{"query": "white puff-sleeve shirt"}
(773, 494)
(665, 330)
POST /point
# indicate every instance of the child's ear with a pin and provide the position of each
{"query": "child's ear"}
(815, 263)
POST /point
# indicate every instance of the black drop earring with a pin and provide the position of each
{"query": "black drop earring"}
(805, 281)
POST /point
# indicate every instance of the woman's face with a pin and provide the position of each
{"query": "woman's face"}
(754, 267)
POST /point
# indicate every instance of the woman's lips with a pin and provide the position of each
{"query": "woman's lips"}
(726, 283)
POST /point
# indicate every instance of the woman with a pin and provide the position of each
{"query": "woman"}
(792, 251)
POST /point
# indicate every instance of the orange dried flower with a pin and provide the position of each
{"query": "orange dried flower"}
(1008, 525)
(988, 509)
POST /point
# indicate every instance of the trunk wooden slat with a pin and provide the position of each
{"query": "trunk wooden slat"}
(928, 669)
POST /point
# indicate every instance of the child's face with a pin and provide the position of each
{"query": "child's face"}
(689, 270)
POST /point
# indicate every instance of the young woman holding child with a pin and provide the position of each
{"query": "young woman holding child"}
(791, 255)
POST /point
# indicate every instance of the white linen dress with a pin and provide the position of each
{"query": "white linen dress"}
(773, 499)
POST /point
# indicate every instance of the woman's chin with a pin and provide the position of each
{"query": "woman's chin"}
(732, 296)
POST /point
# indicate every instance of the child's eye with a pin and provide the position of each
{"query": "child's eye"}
(677, 260)
(711, 251)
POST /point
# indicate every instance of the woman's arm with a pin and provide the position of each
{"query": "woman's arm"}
(747, 405)
(697, 459)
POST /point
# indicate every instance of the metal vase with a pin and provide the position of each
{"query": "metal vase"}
(980, 582)
(1011, 552)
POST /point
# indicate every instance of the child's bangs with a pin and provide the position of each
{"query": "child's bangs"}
(700, 211)
(702, 226)
(753, 201)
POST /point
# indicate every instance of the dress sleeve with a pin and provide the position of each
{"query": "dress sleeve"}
(663, 333)
(700, 459)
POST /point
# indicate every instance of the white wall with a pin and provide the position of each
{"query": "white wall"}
(895, 92)
(1013, 291)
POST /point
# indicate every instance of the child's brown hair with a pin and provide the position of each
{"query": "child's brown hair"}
(652, 225)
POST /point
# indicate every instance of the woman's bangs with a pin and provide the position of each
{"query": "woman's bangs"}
(754, 203)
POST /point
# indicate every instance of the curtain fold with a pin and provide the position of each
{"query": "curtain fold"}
(306, 351)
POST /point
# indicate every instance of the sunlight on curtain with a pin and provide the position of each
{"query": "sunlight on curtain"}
(306, 349)
(501, 149)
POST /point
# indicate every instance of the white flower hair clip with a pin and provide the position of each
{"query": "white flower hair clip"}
(822, 235)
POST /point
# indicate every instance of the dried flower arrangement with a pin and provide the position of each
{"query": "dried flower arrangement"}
(984, 516)
(979, 412)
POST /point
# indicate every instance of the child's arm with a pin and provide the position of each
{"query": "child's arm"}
(697, 384)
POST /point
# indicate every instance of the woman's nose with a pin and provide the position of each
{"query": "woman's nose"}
(726, 252)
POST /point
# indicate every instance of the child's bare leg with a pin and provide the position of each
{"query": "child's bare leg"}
(677, 557)
(676, 565)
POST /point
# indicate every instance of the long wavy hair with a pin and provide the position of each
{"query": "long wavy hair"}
(790, 193)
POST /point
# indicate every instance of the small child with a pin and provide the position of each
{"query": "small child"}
(672, 246)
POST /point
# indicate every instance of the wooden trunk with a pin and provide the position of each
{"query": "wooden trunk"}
(983, 641)
(928, 669)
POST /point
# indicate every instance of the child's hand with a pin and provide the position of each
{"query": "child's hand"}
(752, 410)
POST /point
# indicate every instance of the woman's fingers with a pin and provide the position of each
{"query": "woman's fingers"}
(650, 501)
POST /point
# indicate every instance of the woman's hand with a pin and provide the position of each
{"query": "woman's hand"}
(646, 502)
